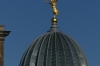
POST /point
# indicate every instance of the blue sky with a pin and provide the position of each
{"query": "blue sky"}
(28, 19)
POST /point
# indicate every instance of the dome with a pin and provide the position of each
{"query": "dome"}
(54, 49)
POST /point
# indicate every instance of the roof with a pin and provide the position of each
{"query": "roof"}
(54, 49)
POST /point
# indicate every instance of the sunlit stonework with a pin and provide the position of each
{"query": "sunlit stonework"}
(3, 34)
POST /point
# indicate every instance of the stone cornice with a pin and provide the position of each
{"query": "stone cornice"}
(4, 33)
(2, 39)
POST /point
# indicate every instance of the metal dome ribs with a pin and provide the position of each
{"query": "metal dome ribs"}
(54, 49)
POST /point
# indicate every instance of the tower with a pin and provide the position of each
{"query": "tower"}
(3, 34)
(54, 48)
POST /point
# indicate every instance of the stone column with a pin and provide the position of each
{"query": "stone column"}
(3, 34)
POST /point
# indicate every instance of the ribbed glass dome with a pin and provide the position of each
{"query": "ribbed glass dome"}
(54, 49)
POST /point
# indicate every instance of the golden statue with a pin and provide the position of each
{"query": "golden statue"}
(53, 5)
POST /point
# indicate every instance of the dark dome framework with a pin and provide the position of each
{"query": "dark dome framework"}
(54, 49)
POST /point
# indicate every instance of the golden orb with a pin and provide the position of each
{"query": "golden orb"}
(54, 20)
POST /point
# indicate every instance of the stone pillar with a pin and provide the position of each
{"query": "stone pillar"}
(3, 34)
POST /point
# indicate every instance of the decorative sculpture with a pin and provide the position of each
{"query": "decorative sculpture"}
(53, 5)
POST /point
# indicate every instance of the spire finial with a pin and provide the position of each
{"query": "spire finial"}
(53, 6)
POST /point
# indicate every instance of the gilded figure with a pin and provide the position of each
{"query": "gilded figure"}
(53, 5)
